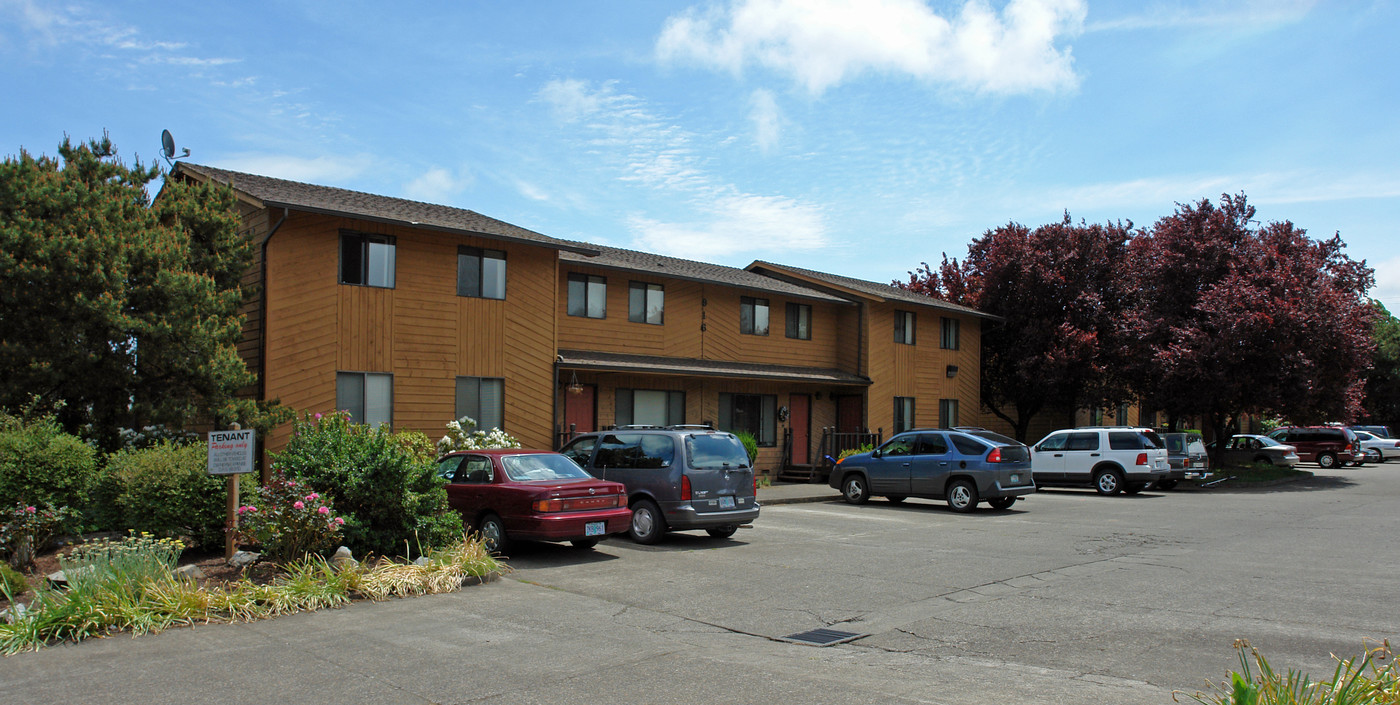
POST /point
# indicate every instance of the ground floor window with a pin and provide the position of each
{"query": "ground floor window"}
(650, 407)
(755, 413)
(483, 399)
(947, 413)
(1122, 414)
(368, 396)
(903, 414)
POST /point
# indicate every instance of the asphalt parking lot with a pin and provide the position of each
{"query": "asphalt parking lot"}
(1067, 597)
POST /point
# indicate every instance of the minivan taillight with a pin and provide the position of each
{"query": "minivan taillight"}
(685, 488)
(994, 456)
(1142, 459)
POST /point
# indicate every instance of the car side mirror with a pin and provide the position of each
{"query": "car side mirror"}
(876, 453)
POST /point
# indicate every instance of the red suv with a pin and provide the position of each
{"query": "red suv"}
(1328, 446)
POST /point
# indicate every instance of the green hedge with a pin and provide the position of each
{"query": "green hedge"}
(40, 464)
(166, 490)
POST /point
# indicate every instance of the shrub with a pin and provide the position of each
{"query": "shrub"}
(42, 465)
(12, 582)
(165, 489)
(463, 434)
(25, 530)
(858, 449)
(288, 520)
(390, 497)
(750, 444)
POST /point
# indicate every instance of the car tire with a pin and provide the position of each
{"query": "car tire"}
(854, 489)
(1166, 484)
(1327, 461)
(1108, 482)
(962, 496)
(722, 532)
(1001, 502)
(895, 498)
(493, 533)
(1264, 460)
(647, 523)
(584, 544)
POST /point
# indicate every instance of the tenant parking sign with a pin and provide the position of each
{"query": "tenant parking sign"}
(231, 452)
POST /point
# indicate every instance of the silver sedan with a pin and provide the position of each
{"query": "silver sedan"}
(1247, 448)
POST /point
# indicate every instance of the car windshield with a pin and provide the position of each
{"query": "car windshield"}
(1364, 435)
(542, 466)
(715, 450)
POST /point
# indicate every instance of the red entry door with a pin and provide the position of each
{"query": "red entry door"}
(800, 421)
(848, 414)
(580, 410)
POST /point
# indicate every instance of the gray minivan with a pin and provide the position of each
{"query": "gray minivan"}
(677, 477)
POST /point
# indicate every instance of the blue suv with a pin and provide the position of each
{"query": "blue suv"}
(962, 467)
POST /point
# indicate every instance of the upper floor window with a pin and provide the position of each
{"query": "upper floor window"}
(753, 315)
(588, 296)
(904, 327)
(949, 340)
(368, 396)
(366, 260)
(481, 273)
(799, 321)
(646, 303)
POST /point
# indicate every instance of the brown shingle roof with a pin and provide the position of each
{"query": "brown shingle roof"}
(651, 364)
(634, 261)
(399, 211)
(884, 292)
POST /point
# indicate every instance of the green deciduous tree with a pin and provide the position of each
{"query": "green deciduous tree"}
(1382, 402)
(115, 311)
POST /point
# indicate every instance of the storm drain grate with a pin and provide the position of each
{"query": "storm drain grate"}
(822, 637)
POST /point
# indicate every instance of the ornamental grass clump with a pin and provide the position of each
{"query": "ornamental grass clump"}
(1371, 679)
(288, 520)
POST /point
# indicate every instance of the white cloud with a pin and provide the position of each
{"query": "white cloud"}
(436, 185)
(572, 99)
(322, 170)
(767, 120)
(531, 191)
(822, 43)
(738, 223)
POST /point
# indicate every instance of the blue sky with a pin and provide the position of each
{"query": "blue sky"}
(859, 137)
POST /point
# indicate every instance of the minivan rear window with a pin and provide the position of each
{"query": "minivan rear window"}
(715, 450)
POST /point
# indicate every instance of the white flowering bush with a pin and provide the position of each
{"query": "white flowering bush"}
(463, 434)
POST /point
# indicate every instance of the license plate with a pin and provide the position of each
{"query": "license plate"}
(594, 528)
(726, 502)
(1015, 479)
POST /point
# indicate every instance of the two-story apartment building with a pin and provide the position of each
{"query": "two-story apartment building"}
(415, 314)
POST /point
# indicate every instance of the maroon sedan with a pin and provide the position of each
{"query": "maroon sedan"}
(508, 494)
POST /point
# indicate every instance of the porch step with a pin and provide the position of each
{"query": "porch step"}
(802, 473)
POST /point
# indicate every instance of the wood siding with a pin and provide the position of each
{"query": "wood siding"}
(921, 370)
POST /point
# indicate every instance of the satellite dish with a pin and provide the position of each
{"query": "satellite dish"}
(167, 147)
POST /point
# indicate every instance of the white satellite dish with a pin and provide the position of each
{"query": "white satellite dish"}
(167, 147)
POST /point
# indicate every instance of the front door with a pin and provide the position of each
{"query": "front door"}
(800, 421)
(580, 410)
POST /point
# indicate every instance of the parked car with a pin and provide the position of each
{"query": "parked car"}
(1387, 447)
(963, 468)
(1328, 446)
(1248, 448)
(513, 494)
(1380, 431)
(1186, 457)
(1367, 455)
(677, 477)
(1109, 459)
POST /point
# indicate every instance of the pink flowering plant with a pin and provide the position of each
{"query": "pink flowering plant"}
(26, 529)
(288, 520)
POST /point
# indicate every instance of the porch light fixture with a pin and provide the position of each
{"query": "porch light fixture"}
(952, 371)
(574, 387)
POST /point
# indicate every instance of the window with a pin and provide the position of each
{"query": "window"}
(904, 327)
(483, 399)
(753, 316)
(635, 450)
(1082, 441)
(1096, 417)
(949, 339)
(967, 446)
(903, 414)
(646, 303)
(481, 273)
(475, 470)
(799, 321)
(755, 413)
(368, 396)
(1122, 415)
(947, 413)
(649, 407)
(588, 296)
(366, 260)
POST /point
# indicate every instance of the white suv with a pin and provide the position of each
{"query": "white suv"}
(1110, 459)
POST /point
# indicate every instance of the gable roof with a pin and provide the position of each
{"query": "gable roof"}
(861, 288)
(674, 267)
(281, 193)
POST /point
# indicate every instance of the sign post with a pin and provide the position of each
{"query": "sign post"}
(231, 454)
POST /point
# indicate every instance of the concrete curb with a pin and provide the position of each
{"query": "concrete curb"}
(797, 500)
